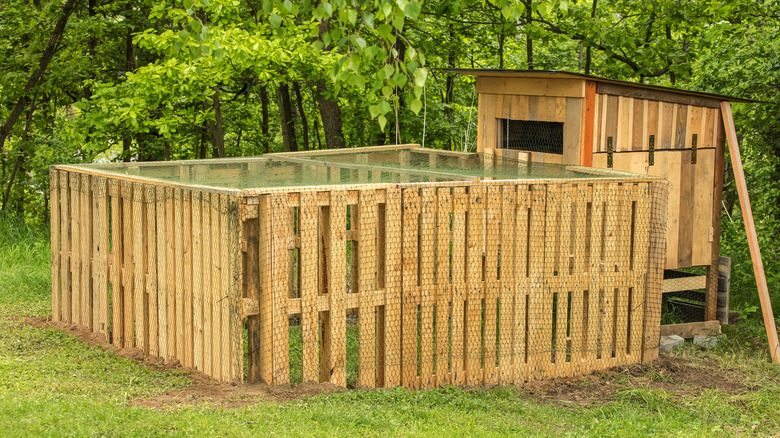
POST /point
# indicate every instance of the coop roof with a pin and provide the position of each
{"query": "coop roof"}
(379, 165)
(557, 74)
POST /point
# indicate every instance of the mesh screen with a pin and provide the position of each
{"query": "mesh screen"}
(531, 136)
(452, 269)
(358, 166)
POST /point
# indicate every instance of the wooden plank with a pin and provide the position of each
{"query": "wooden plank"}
(337, 287)
(171, 274)
(86, 252)
(522, 286)
(459, 227)
(367, 211)
(691, 329)
(651, 124)
(507, 273)
(324, 277)
(117, 318)
(409, 331)
(571, 131)
(665, 126)
(151, 268)
(492, 287)
(589, 120)
(677, 96)
(206, 284)
(551, 280)
(702, 233)
(536, 324)
(655, 269)
(578, 285)
(309, 314)
(217, 291)
(489, 111)
(393, 247)
(189, 330)
(178, 227)
(250, 219)
(139, 294)
(681, 135)
(128, 285)
(427, 289)
(235, 303)
(228, 296)
(531, 86)
(686, 204)
(197, 279)
(54, 206)
(684, 283)
(75, 249)
(64, 247)
(595, 273)
(611, 116)
(443, 286)
(102, 256)
(563, 267)
(610, 283)
(711, 300)
(668, 164)
(640, 251)
(638, 125)
(518, 107)
(750, 230)
(474, 285)
(162, 272)
(622, 306)
(624, 124)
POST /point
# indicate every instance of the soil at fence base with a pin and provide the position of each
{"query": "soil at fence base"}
(679, 376)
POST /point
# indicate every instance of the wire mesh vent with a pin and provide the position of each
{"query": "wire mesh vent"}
(531, 136)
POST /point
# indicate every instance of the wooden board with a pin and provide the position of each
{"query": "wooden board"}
(54, 203)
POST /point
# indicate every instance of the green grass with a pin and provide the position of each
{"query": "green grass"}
(54, 385)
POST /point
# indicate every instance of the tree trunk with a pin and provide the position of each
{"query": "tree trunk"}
(330, 113)
(316, 124)
(587, 51)
(286, 118)
(46, 57)
(264, 104)
(302, 114)
(215, 127)
(204, 132)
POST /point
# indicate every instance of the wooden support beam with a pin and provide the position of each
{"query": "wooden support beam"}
(750, 230)
(691, 329)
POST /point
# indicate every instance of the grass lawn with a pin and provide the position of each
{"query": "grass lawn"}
(51, 384)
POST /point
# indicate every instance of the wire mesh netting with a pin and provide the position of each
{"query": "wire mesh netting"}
(394, 267)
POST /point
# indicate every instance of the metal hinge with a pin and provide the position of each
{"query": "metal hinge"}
(609, 152)
(651, 155)
(694, 144)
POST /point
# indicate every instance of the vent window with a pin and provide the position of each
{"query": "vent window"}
(531, 136)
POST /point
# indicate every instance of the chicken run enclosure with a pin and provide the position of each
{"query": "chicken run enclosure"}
(436, 267)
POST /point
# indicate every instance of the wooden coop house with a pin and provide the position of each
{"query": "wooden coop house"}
(577, 119)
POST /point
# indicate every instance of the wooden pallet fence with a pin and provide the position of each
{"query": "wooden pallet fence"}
(461, 283)
(470, 284)
(129, 263)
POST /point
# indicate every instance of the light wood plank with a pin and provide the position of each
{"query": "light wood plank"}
(65, 260)
(427, 290)
(410, 220)
(309, 315)
(162, 272)
(54, 221)
(151, 268)
(443, 285)
(459, 236)
(128, 284)
(337, 287)
(367, 211)
(475, 285)
(141, 305)
(217, 288)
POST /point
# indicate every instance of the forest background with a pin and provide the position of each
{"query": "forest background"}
(87, 80)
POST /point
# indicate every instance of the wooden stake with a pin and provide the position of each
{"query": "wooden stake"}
(750, 230)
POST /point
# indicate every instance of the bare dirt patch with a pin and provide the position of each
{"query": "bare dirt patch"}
(681, 377)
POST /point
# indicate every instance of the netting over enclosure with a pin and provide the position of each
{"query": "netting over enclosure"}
(377, 267)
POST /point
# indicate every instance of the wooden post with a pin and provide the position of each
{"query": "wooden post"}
(750, 230)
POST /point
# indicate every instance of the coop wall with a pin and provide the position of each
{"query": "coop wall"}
(536, 100)
(149, 266)
(460, 283)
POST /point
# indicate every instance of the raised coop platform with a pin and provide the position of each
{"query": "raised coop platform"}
(448, 268)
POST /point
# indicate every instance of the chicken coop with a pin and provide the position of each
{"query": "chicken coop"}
(577, 119)
(389, 266)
